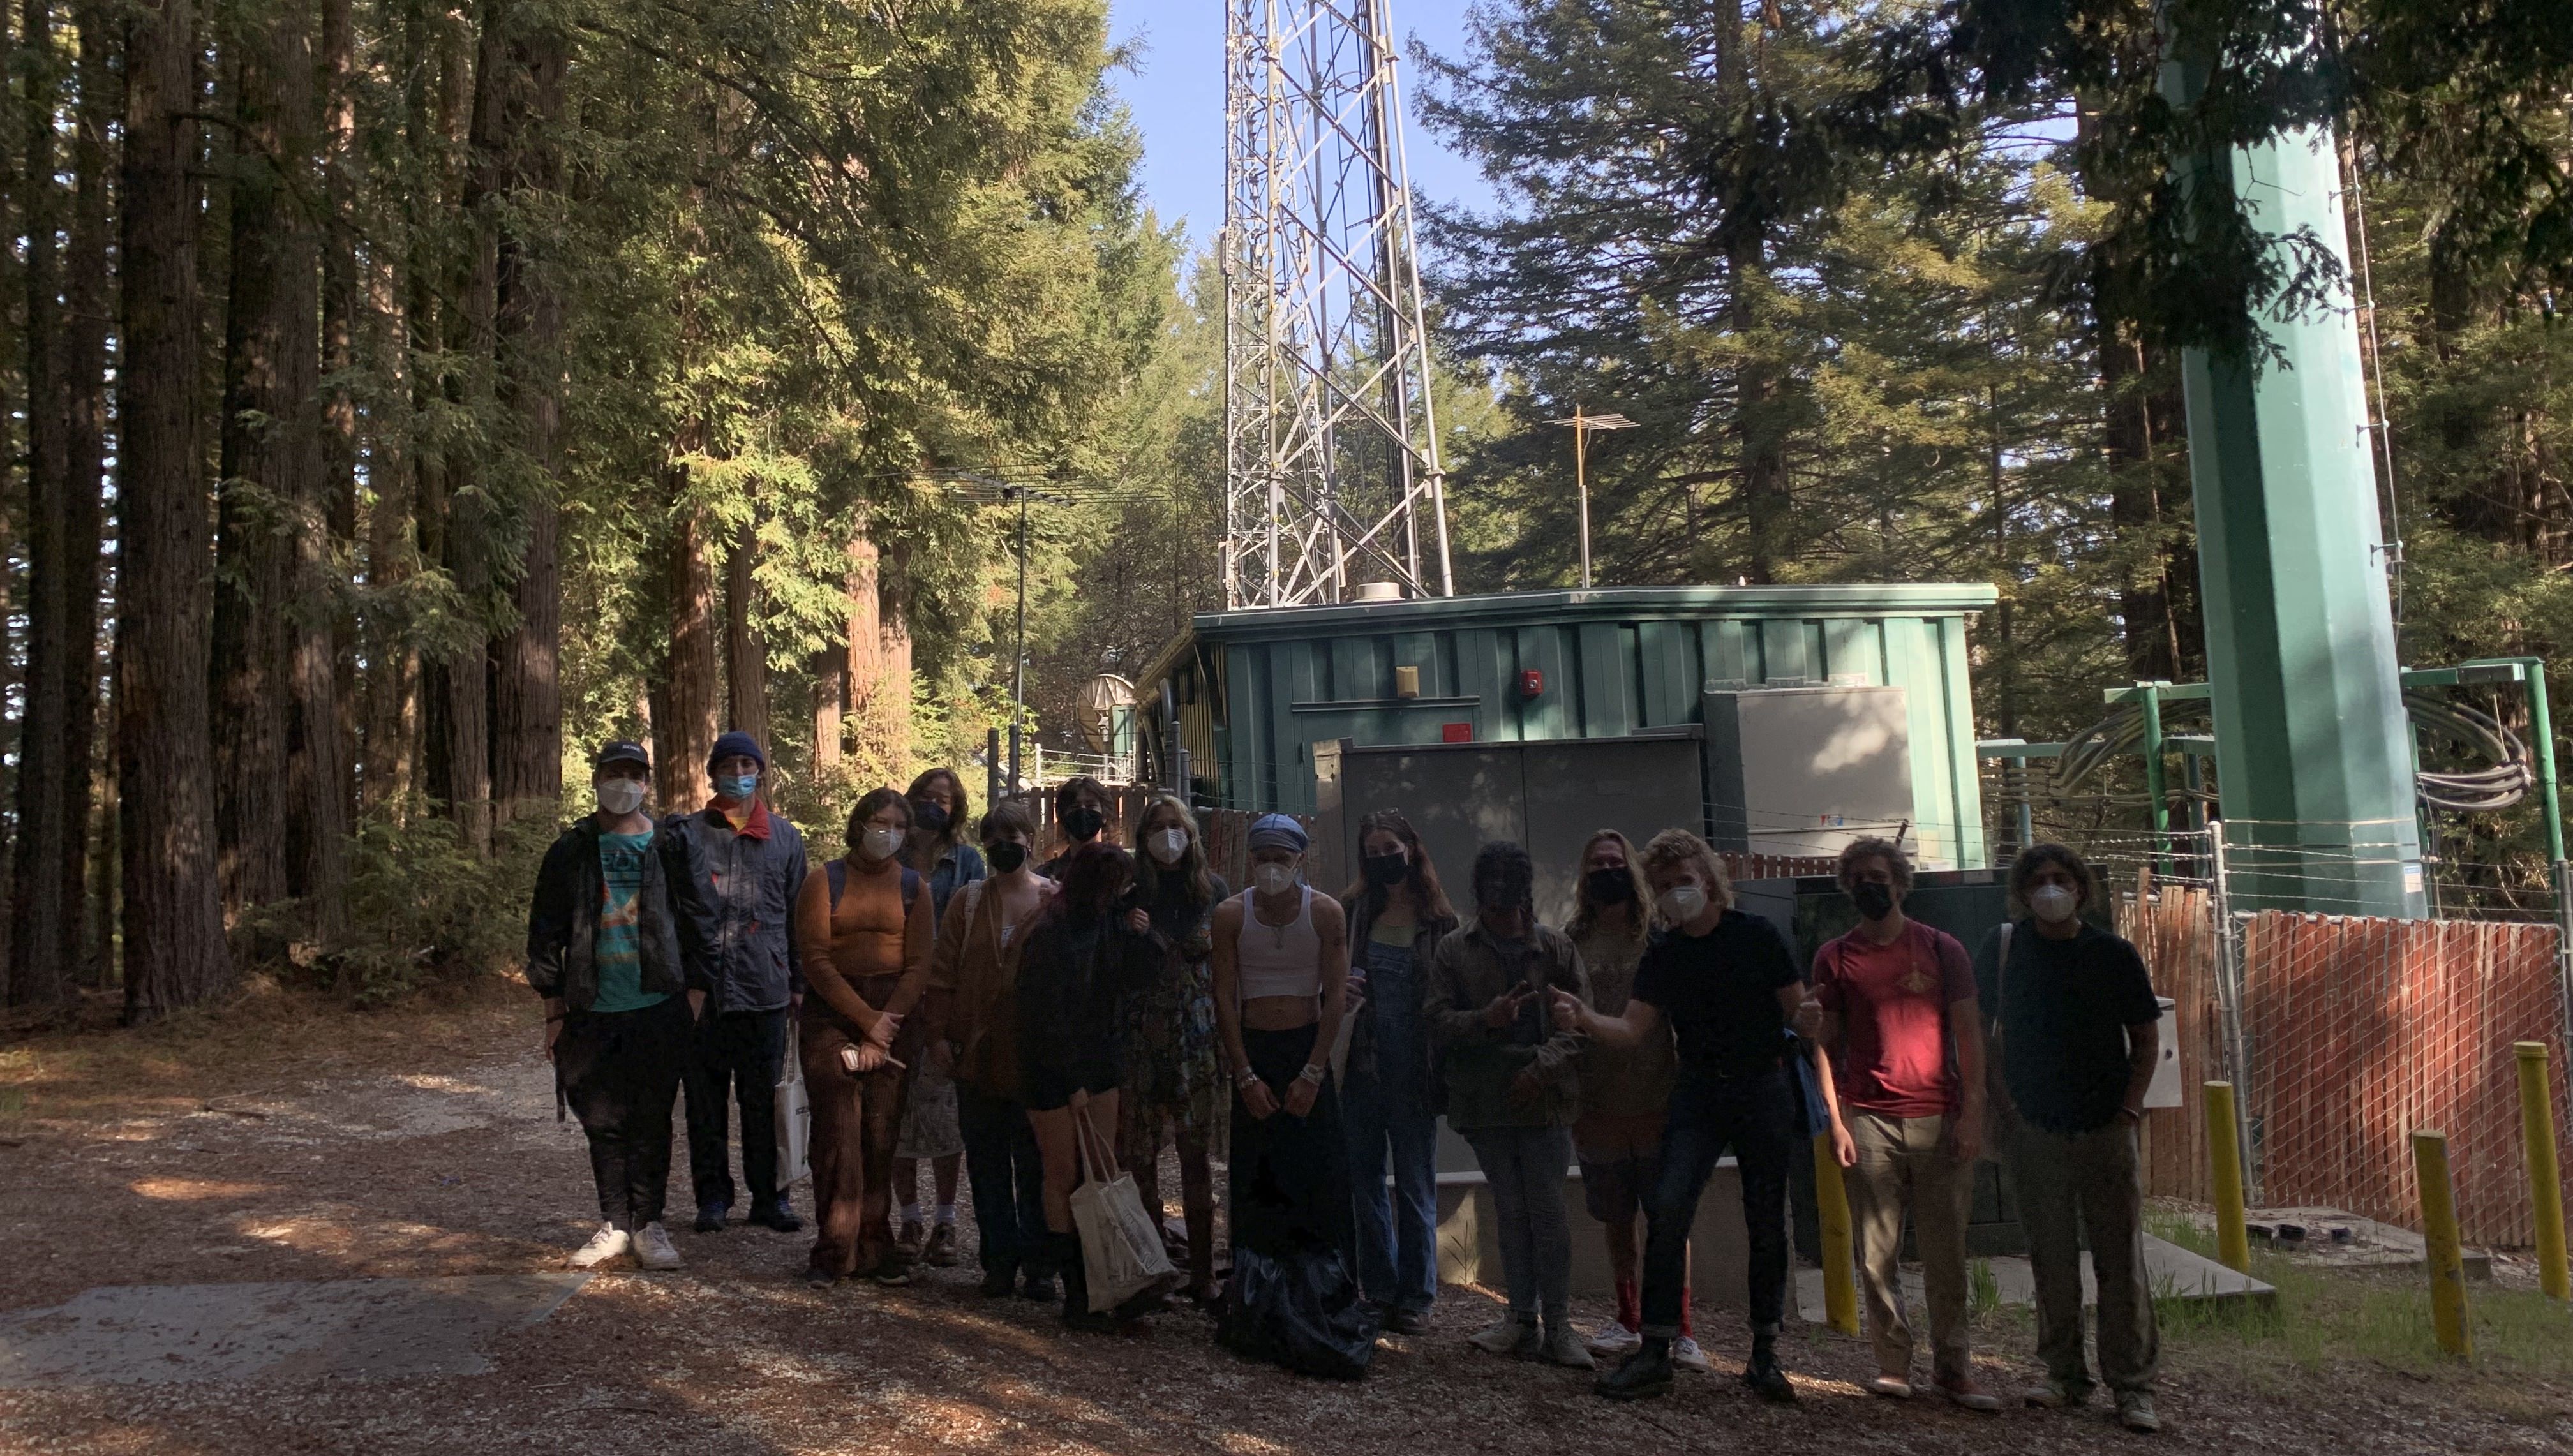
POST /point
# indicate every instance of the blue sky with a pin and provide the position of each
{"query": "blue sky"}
(1175, 92)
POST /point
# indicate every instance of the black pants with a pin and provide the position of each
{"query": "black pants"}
(1755, 1115)
(1009, 1184)
(738, 1056)
(621, 1071)
(1289, 1176)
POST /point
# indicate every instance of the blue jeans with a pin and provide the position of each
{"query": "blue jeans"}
(1755, 1115)
(1397, 1234)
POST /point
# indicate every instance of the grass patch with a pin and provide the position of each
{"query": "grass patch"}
(2324, 1316)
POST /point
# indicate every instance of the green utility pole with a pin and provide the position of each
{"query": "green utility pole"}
(2314, 751)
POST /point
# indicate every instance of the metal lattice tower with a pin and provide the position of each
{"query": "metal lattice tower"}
(1330, 443)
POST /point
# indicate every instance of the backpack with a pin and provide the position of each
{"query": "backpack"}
(837, 871)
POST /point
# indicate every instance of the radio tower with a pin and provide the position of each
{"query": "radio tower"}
(1330, 444)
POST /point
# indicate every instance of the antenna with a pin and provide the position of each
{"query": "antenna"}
(1330, 438)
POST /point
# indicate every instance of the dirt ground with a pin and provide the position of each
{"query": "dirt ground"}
(281, 1141)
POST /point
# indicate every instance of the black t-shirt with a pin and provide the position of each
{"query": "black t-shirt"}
(2064, 1027)
(1720, 993)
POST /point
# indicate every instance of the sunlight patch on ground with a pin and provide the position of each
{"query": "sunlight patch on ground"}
(190, 1189)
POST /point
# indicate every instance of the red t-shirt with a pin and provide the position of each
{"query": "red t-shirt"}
(1892, 1001)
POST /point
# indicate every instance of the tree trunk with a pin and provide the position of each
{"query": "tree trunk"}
(174, 931)
(891, 716)
(1760, 444)
(830, 696)
(342, 309)
(88, 304)
(745, 656)
(267, 753)
(392, 741)
(695, 693)
(527, 696)
(866, 654)
(35, 953)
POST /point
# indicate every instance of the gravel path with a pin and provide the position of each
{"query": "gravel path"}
(280, 1143)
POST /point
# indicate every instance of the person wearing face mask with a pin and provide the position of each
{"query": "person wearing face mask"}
(972, 1011)
(1081, 962)
(865, 925)
(1080, 815)
(939, 853)
(1280, 989)
(1513, 1091)
(2070, 1012)
(1625, 1091)
(1173, 1060)
(1906, 1043)
(1398, 916)
(748, 865)
(1723, 983)
(615, 932)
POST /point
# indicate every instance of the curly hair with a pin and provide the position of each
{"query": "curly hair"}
(876, 799)
(1093, 876)
(1504, 877)
(1585, 906)
(1859, 850)
(1675, 847)
(2037, 857)
(1429, 897)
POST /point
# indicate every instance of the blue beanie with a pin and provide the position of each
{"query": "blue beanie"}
(736, 744)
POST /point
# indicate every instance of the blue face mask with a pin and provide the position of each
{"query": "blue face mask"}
(738, 788)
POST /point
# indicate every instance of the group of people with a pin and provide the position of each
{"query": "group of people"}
(951, 1000)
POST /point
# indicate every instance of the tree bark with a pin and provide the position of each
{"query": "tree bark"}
(520, 147)
(745, 655)
(891, 718)
(866, 644)
(36, 951)
(830, 698)
(695, 693)
(173, 932)
(342, 310)
(269, 753)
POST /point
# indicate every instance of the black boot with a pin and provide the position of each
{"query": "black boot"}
(1763, 1374)
(1645, 1372)
(1076, 1288)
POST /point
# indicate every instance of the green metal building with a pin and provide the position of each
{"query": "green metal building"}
(1255, 690)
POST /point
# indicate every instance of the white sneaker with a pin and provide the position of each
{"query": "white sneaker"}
(1614, 1341)
(1686, 1355)
(609, 1243)
(653, 1248)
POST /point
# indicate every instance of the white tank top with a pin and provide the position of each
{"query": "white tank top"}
(1279, 960)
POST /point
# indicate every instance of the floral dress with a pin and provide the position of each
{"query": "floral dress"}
(1175, 1058)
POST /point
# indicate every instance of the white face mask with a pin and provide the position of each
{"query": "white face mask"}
(619, 797)
(1169, 845)
(882, 843)
(2053, 902)
(1682, 903)
(1272, 879)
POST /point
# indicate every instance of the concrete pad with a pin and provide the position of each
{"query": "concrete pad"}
(2370, 1244)
(360, 1329)
(2172, 1271)
(1469, 1245)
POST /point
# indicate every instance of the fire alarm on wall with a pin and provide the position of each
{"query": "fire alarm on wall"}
(1531, 683)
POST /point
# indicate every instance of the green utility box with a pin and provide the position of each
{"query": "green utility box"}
(1253, 691)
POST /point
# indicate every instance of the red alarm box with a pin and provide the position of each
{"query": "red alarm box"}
(1455, 732)
(1531, 683)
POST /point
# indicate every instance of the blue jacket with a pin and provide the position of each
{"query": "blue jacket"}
(961, 866)
(748, 878)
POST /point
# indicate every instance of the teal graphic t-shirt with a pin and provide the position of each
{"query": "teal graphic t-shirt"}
(619, 946)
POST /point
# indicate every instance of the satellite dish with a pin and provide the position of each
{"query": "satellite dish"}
(1101, 697)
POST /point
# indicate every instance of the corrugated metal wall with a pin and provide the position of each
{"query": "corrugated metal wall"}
(1602, 679)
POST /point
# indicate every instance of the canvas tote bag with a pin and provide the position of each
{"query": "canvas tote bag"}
(1120, 1247)
(795, 1115)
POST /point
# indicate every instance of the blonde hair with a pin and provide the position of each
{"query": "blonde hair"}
(1675, 847)
(1585, 906)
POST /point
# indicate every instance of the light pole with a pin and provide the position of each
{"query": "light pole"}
(1018, 651)
(1581, 425)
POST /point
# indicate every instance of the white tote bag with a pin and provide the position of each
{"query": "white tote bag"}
(795, 1115)
(1120, 1249)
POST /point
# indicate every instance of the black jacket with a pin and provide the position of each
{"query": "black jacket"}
(677, 930)
(748, 879)
(1073, 983)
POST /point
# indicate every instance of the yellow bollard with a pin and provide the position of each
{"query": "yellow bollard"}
(2224, 1152)
(2545, 1180)
(1840, 1265)
(2446, 1261)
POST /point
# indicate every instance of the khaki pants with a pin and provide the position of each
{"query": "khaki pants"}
(1904, 1163)
(2064, 1183)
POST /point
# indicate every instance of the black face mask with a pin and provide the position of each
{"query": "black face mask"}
(1873, 900)
(1006, 856)
(1611, 887)
(1082, 824)
(1386, 871)
(928, 814)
